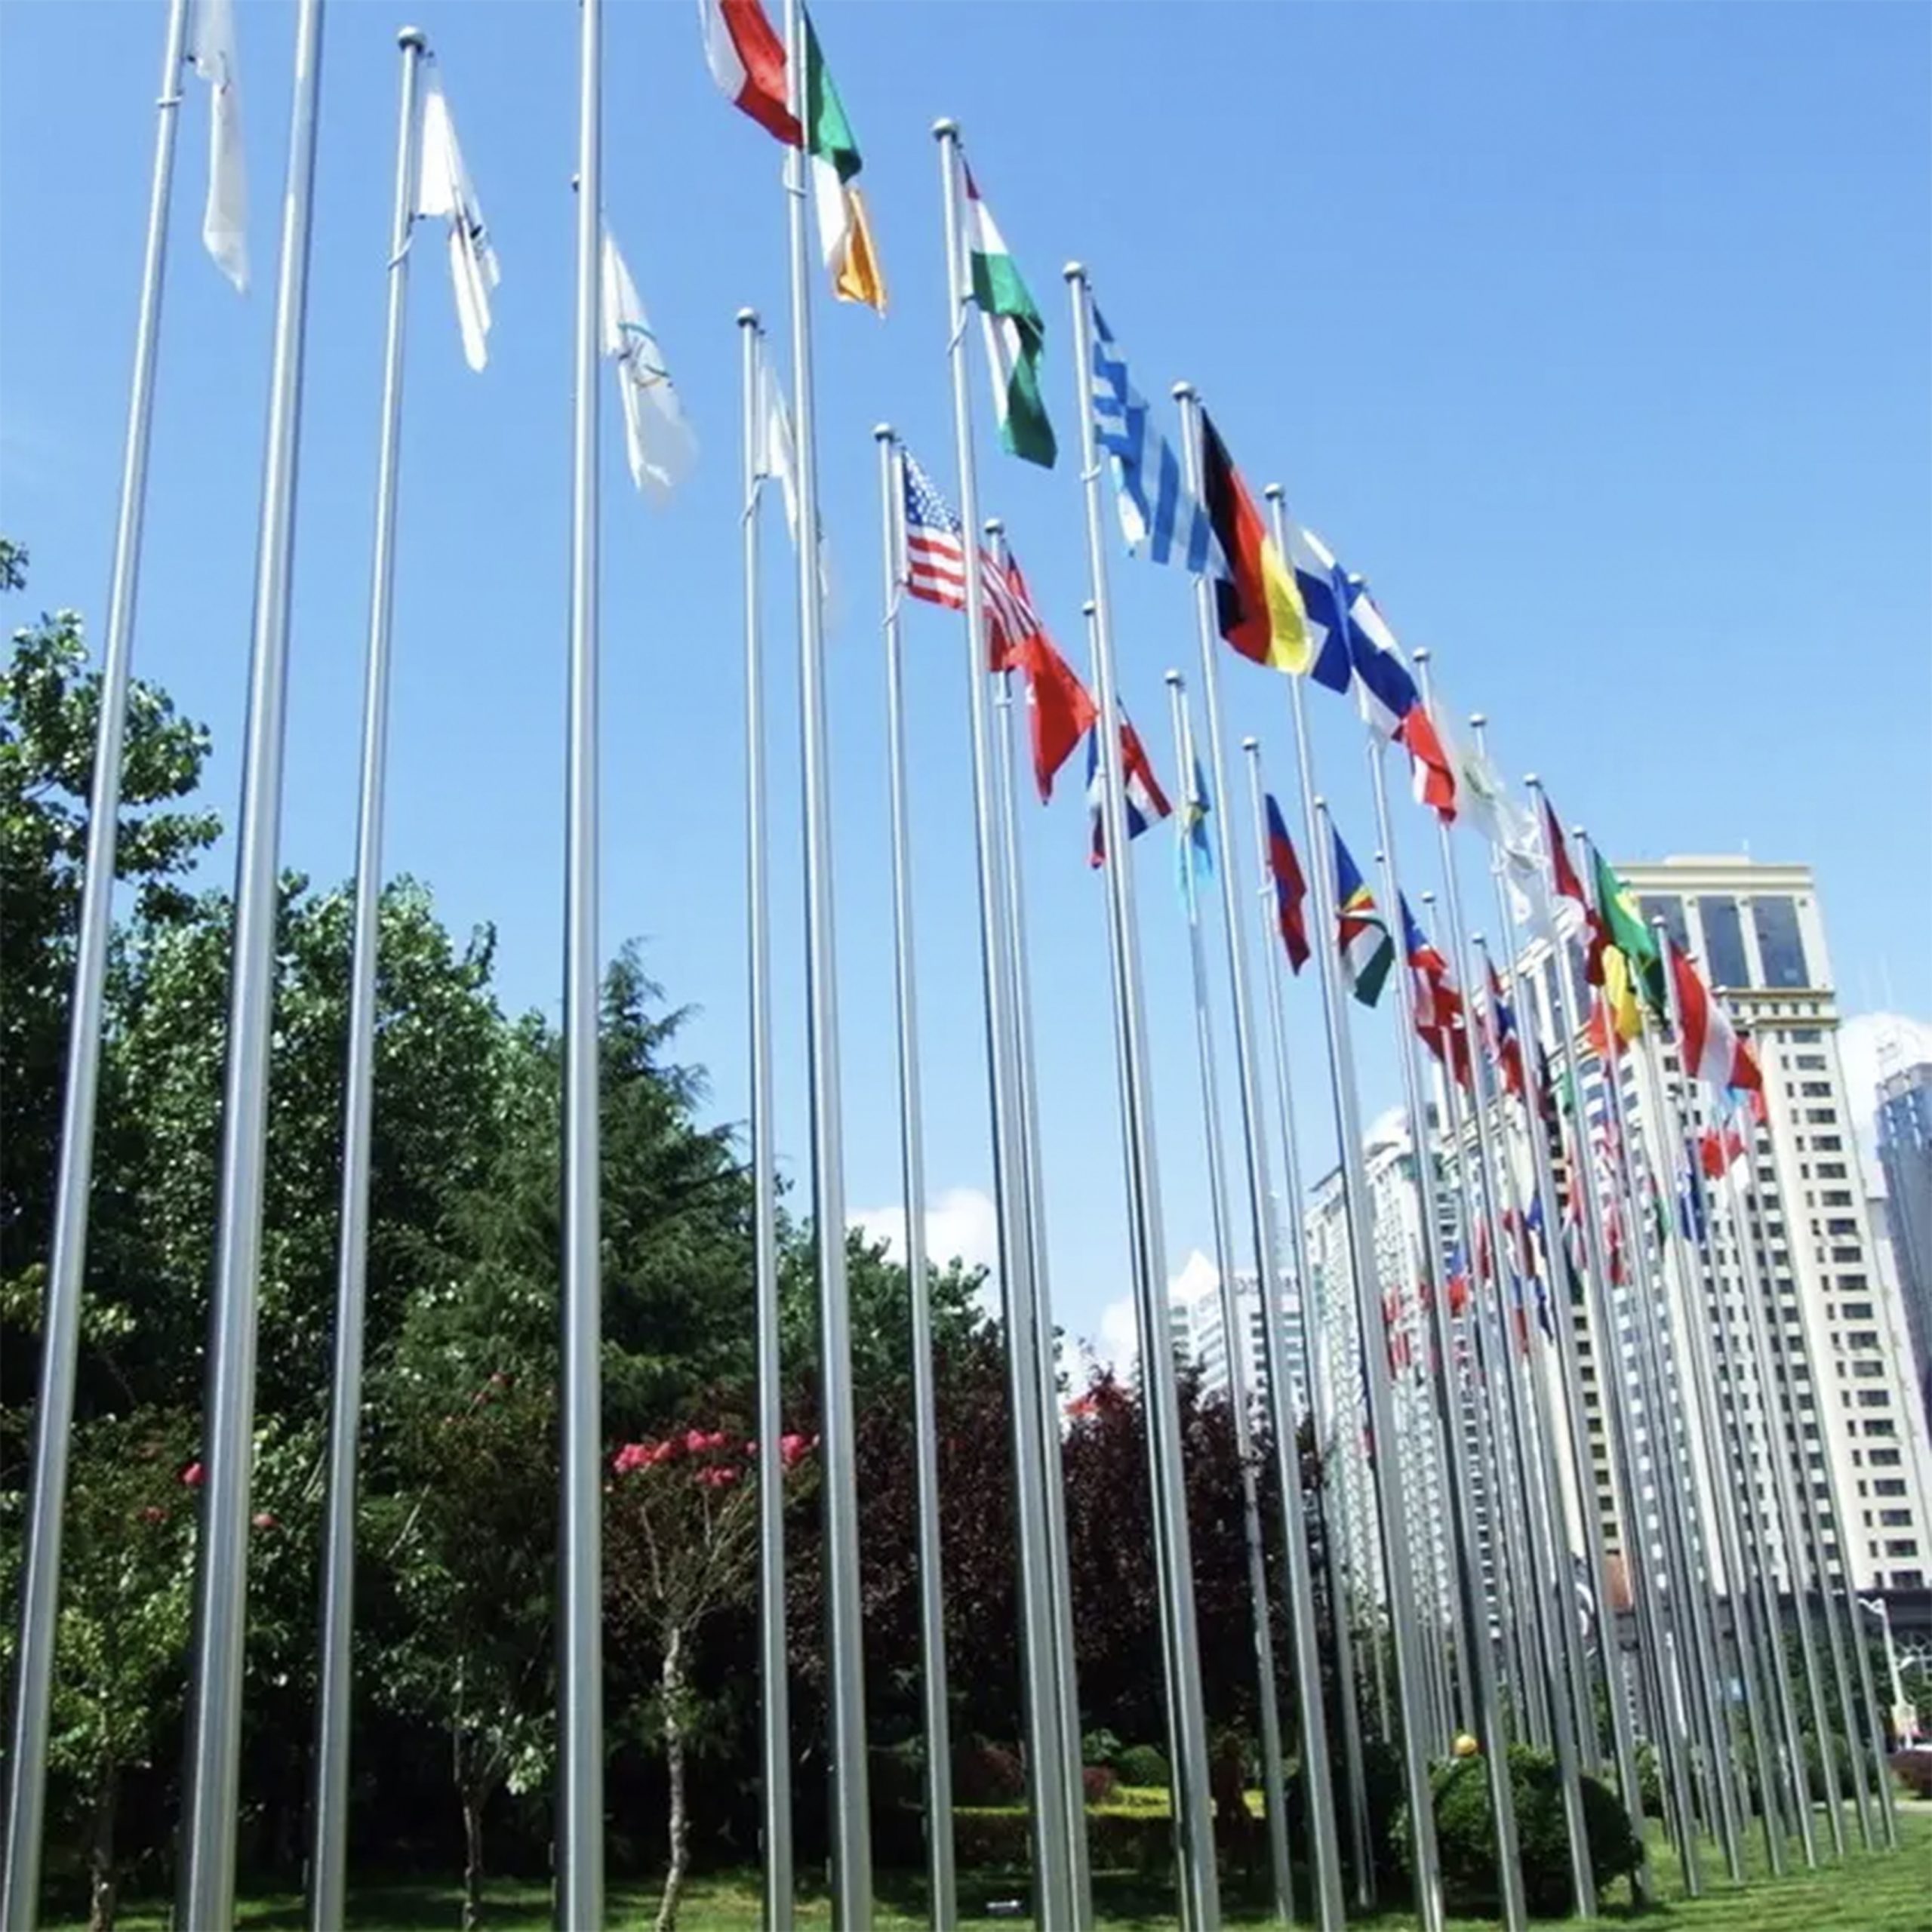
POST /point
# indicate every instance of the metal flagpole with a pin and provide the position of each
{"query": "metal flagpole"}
(1281, 1417)
(1625, 1471)
(1055, 1893)
(335, 1690)
(60, 1329)
(213, 1780)
(1273, 1788)
(1065, 1676)
(1318, 1777)
(1582, 1469)
(1551, 1595)
(943, 1906)
(851, 1822)
(1701, 1301)
(1477, 1665)
(1797, 1503)
(1396, 1570)
(775, 1715)
(1698, 1658)
(1200, 1882)
(579, 1553)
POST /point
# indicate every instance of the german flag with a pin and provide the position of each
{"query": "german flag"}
(1259, 609)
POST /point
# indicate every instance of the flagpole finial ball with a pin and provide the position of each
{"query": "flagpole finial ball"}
(1531, 782)
(1477, 940)
(1087, 609)
(946, 128)
(1420, 653)
(1251, 744)
(1182, 392)
(1428, 899)
(1075, 271)
(882, 432)
(413, 38)
(747, 318)
(1173, 680)
(1320, 803)
(1478, 719)
(1272, 491)
(995, 526)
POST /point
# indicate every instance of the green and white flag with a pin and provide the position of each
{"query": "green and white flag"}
(1014, 334)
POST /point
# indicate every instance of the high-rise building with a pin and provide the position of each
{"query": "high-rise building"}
(1905, 1155)
(1758, 933)
(1199, 1335)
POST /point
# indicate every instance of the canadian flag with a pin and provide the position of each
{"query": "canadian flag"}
(1712, 1051)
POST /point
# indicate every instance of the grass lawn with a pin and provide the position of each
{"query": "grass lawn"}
(1867, 1893)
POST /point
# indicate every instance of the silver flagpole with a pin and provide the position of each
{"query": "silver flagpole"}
(1060, 1594)
(775, 1699)
(1281, 1419)
(60, 1330)
(1274, 1791)
(1626, 1482)
(943, 1906)
(1200, 1882)
(213, 1780)
(1701, 1303)
(1477, 1663)
(1582, 1469)
(1697, 1658)
(1396, 1570)
(1056, 1889)
(1318, 1778)
(580, 1551)
(335, 1690)
(851, 1821)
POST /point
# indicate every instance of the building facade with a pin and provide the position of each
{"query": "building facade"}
(1757, 931)
(1905, 1157)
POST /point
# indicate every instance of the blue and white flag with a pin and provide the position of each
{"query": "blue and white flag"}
(1324, 585)
(1194, 850)
(1157, 509)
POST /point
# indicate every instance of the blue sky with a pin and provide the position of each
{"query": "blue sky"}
(1597, 336)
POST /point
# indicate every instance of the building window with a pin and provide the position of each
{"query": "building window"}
(1723, 941)
(1828, 1143)
(1803, 1036)
(1879, 1425)
(1830, 1170)
(1669, 909)
(1884, 1458)
(1861, 1338)
(1866, 1369)
(1781, 947)
(1840, 1225)
(1874, 1398)
(1887, 1485)
(1901, 1547)
(1817, 1089)
(1808, 1062)
(1846, 1254)
(1820, 1116)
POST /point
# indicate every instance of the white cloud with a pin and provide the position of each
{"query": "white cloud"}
(1872, 1045)
(960, 1224)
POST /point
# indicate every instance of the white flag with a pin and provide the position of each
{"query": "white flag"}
(778, 460)
(225, 220)
(443, 188)
(655, 435)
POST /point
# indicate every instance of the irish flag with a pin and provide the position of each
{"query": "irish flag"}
(1014, 333)
(1712, 1051)
(748, 61)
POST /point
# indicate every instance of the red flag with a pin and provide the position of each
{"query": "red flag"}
(1290, 889)
(1063, 713)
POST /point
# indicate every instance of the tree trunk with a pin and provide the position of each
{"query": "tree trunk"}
(672, 1682)
(473, 1796)
(103, 1888)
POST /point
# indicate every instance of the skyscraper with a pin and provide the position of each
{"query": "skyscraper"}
(1905, 1154)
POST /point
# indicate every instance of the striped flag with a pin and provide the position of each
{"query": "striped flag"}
(1147, 803)
(1290, 887)
(1361, 933)
(935, 546)
(1711, 1050)
(1014, 333)
(1156, 507)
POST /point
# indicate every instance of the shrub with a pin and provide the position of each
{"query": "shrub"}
(1098, 1747)
(1099, 1782)
(1465, 1835)
(1384, 1787)
(1141, 1764)
(984, 1772)
(998, 1841)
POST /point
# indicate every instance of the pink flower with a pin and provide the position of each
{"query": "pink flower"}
(632, 1456)
(263, 1519)
(193, 1476)
(719, 1475)
(792, 1450)
(154, 1513)
(666, 1451)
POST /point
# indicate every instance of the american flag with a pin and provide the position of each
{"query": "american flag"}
(935, 544)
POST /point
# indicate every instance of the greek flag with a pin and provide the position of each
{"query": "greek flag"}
(1156, 507)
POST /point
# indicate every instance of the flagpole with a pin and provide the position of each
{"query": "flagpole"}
(1318, 1776)
(1582, 1468)
(335, 1689)
(1060, 1592)
(579, 1620)
(1697, 1658)
(1273, 1788)
(1200, 1882)
(1282, 1416)
(1477, 1662)
(60, 1328)
(775, 1715)
(851, 1836)
(1625, 1472)
(1056, 1892)
(213, 1776)
(942, 1906)
(1701, 1299)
